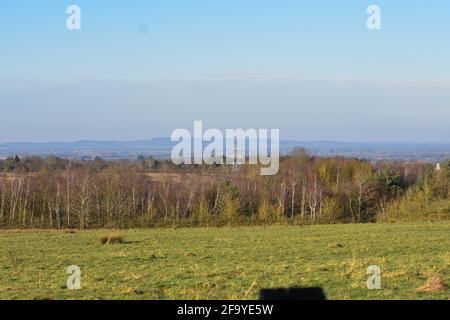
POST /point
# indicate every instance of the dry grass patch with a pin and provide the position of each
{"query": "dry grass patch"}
(432, 284)
(110, 239)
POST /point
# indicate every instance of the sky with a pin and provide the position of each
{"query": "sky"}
(141, 69)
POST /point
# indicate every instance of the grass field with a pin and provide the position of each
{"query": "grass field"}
(227, 263)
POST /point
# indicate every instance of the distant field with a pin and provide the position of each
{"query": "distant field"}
(227, 263)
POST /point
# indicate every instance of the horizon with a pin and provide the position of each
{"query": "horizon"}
(281, 140)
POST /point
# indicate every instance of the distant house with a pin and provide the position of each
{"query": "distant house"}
(438, 167)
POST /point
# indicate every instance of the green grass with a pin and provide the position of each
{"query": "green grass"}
(227, 263)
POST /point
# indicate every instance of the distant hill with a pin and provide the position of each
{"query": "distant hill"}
(161, 148)
(158, 147)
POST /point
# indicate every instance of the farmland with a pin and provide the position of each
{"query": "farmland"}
(227, 263)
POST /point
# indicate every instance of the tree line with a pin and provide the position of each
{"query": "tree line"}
(60, 193)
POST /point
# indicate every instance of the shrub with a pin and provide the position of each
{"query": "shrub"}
(111, 239)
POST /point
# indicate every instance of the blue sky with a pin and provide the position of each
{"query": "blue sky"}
(310, 68)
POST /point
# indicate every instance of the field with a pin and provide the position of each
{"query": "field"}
(227, 263)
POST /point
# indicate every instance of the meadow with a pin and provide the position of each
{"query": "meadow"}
(227, 263)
